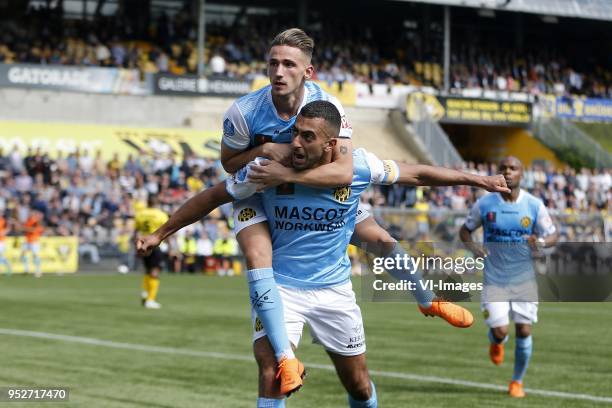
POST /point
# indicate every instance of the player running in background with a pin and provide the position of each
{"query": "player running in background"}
(147, 220)
(514, 224)
(3, 233)
(33, 230)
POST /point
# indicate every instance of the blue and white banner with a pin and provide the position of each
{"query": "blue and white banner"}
(577, 108)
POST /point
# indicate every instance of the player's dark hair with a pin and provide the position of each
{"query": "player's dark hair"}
(325, 110)
(295, 37)
(152, 201)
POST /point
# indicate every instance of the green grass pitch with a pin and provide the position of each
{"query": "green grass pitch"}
(411, 356)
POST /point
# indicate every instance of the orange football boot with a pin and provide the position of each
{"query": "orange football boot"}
(291, 373)
(515, 390)
(452, 313)
(496, 353)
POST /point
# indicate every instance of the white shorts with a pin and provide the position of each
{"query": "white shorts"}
(248, 212)
(332, 314)
(251, 211)
(518, 302)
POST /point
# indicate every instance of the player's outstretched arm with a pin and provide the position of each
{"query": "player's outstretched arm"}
(194, 209)
(337, 173)
(424, 175)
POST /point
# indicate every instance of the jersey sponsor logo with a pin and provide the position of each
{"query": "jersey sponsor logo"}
(258, 325)
(342, 194)
(525, 222)
(228, 128)
(309, 213)
(491, 216)
(246, 214)
(505, 234)
(308, 226)
(309, 218)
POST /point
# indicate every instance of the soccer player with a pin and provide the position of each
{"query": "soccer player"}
(147, 220)
(33, 229)
(260, 125)
(3, 232)
(514, 224)
(204, 202)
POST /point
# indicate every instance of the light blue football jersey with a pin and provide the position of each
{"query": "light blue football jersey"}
(312, 227)
(506, 226)
(253, 120)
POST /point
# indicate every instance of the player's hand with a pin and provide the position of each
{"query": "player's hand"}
(280, 152)
(146, 244)
(269, 174)
(532, 241)
(495, 184)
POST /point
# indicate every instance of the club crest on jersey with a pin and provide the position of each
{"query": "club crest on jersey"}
(491, 216)
(258, 325)
(246, 214)
(228, 128)
(342, 194)
(525, 222)
(486, 314)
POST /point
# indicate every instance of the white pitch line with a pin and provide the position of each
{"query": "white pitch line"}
(328, 367)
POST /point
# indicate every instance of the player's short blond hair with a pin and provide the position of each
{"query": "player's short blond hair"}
(295, 37)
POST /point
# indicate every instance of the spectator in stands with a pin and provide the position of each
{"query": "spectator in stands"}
(88, 241)
(204, 250)
(225, 249)
(187, 243)
(217, 64)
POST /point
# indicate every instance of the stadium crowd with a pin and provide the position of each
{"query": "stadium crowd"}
(342, 54)
(81, 194)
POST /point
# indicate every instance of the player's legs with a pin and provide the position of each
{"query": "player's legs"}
(35, 247)
(380, 243)
(496, 316)
(269, 388)
(25, 248)
(522, 351)
(4, 261)
(256, 245)
(152, 264)
(353, 374)
(274, 382)
(524, 315)
(253, 236)
(335, 322)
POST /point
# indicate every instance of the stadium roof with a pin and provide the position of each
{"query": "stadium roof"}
(591, 9)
